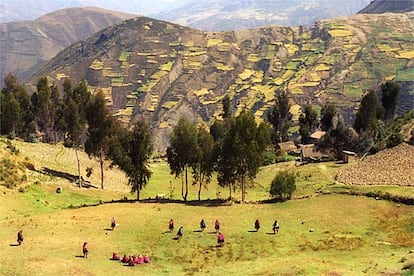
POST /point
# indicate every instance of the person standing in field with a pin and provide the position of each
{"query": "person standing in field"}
(220, 239)
(113, 223)
(257, 225)
(180, 232)
(202, 225)
(275, 227)
(217, 226)
(171, 225)
(20, 237)
(85, 250)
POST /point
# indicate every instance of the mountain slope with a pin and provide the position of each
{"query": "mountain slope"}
(383, 6)
(161, 71)
(220, 15)
(11, 11)
(27, 45)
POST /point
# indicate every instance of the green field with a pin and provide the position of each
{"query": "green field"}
(321, 234)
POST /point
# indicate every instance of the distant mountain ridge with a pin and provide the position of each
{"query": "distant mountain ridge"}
(26, 45)
(227, 15)
(383, 6)
(161, 71)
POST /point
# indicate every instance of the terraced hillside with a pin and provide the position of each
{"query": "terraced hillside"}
(161, 71)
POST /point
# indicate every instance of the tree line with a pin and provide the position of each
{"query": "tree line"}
(234, 148)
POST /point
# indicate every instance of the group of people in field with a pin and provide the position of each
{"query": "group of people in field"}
(133, 260)
(220, 236)
(275, 226)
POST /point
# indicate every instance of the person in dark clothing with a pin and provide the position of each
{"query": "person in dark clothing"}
(180, 232)
(275, 227)
(113, 223)
(20, 237)
(85, 250)
(257, 225)
(202, 225)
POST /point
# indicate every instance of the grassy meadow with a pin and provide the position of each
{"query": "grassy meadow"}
(321, 233)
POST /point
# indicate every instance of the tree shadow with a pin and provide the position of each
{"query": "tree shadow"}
(68, 176)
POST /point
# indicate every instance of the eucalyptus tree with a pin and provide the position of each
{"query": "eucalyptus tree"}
(100, 129)
(203, 165)
(307, 123)
(242, 151)
(280, 117)
(181, 152)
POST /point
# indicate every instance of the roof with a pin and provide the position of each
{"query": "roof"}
(310, 151)
(287, 146)
(318, 134)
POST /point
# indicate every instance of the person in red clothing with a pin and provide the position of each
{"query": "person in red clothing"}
(171, 225)
(146, 259)
(115, 256)
(125, 259)
(139, 259)
(220, 239)
(217, 226)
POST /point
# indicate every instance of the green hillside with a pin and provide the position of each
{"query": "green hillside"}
(320, 234)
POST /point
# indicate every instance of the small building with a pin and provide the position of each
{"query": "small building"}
(348, 156)
(317, 135)
(289, 147)
(310, 153)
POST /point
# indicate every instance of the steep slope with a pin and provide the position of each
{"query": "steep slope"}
(26, 45)
(162, 71)
(220, 15)
(383, 6)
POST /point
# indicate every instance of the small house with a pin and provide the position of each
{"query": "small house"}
(310, 153)
(289, 147)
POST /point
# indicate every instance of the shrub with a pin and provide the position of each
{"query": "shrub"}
(283, 185)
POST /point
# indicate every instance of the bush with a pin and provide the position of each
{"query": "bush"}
(283, 185)
(269, 158)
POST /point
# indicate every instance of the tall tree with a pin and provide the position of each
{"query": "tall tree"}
(75, 119)
(307, 123)
(100, 129)
(390, 93)
(18, 113)
(366, 117)
(280, 117)
(242, 151)
(226, 107)
(180, 153)
(203, 165)
(328, 113)
(140, 153)
(43, 108)
(131, 151)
